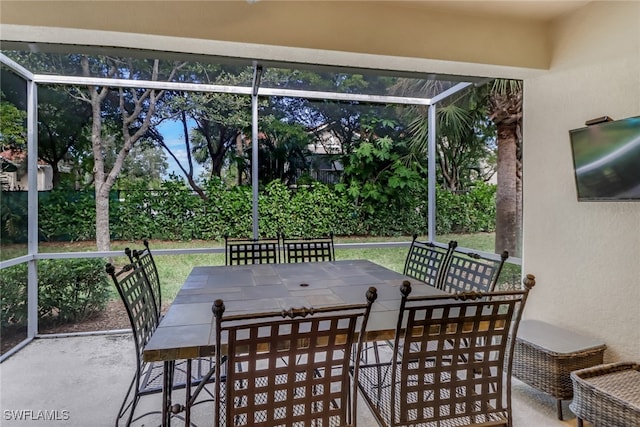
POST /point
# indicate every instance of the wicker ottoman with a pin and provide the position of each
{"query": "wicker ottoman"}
(607, 395)
(544, 356)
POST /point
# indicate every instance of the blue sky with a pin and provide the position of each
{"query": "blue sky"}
(174, 138)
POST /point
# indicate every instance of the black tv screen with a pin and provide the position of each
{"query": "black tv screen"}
(606, 160)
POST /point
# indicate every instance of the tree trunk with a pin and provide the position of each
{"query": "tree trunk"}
(519, 213)
(506, 195)
(103, 241)
(240, 156)
(55, 175)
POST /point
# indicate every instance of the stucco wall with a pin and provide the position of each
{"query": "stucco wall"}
(586, 256)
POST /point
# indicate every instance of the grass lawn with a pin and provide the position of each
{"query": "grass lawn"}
(174, 269)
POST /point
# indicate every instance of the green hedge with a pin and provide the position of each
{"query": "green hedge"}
(69, 290)
(174, 212)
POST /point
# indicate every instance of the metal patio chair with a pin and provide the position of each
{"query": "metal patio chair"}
(425, 262)
(428, 262)
(308, 249)
(289, 367)
(251, 251)
(451, 361)
(148, 379)
(467, 271)
(144, 259)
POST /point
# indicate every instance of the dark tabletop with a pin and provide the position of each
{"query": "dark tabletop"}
(187, 330)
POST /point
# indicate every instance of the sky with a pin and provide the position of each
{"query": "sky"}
(174, 138)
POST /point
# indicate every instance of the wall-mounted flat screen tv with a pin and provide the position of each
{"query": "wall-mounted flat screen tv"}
(606, 160)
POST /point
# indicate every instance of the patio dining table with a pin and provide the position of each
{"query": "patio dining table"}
(187, 331)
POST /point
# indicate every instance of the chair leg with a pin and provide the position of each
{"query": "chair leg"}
(579, 422)
(559, 406)
(131, 407)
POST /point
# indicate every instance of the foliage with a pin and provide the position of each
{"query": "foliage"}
(312, 210)
(134, 219)
(13, 295)
(145, 163)
(13, 216)
(230, 212)
(63, 128)
(465, 140)
(13, 130)
(470, 211)
(66, 215)
(69, 290)
(282, 152)
(212, 123)
(174, 212)
(389, 194)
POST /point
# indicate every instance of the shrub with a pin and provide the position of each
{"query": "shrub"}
(175, 212)
(13, 295)
(472, 211)
(67, 215)
(13, 216)
(69, 290)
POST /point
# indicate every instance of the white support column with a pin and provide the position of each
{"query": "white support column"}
(431, 174)
(32, 203)
(257, 73)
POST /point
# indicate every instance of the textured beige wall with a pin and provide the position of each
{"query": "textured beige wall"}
(373, 27)
(586, 256)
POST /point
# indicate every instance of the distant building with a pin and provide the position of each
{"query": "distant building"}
(13, 172)
(324, 165)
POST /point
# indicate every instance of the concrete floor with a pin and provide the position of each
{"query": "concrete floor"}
(81, 381)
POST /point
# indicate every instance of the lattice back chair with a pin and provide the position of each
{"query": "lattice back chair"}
(137, 297)
(290, 367)
(308, 249)
(452, 361)
(467, 271)
(144, 259)
(428, 262)
(251, 251)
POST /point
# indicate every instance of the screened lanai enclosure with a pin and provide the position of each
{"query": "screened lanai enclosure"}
(105, 147)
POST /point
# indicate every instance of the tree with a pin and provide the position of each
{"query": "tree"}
(136, 109)
(505, 110)
(282, 151)
(212, 124)
(62, 120)
(220, 119)
(13, 129)
(463, 139)
(119, 115)
(374, 174)
(342, 119)
(146, 163)
(62, 126)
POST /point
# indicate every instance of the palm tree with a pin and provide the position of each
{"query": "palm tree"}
(505, 111)
(456, 118)
(461, 132)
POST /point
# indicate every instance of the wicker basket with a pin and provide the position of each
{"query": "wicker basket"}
(608, 395)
